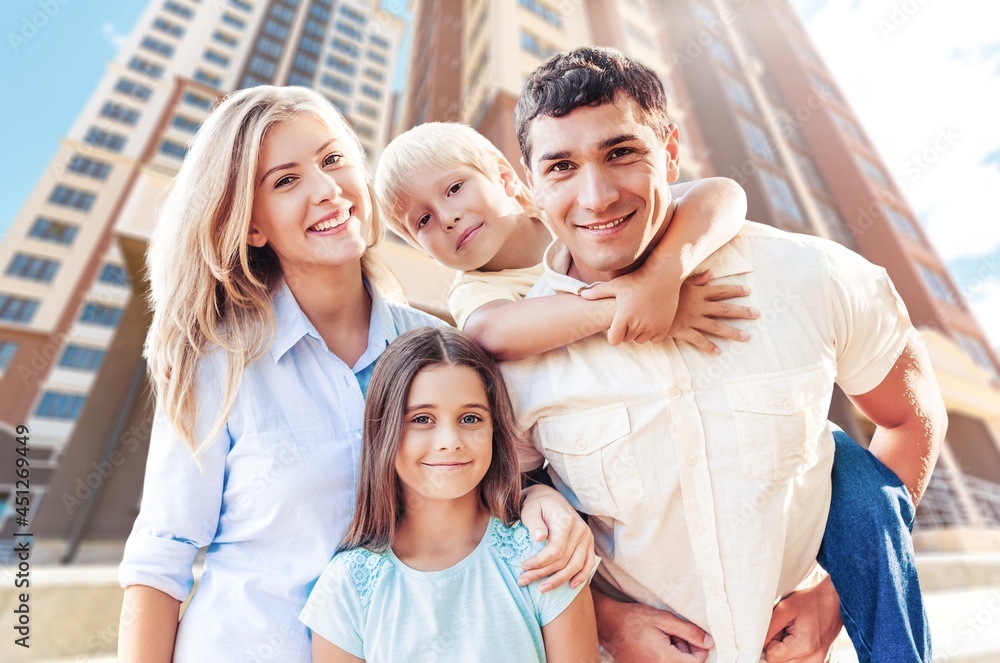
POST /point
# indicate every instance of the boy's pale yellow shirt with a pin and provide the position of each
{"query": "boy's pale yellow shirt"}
(472, 290)
(707, 477)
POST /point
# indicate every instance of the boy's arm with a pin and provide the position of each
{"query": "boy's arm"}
(514, 330)
(710, 213)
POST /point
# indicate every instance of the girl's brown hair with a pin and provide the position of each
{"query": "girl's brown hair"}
(380, 504)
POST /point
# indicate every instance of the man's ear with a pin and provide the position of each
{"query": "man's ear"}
(527, 174)
(255, 237)
(507, 176)
(673, 153)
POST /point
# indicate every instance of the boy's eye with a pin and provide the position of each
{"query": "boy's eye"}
(287, 179)
(331, 159)
(422, 419)
(422, 221)
(454, 188)
(471, 419)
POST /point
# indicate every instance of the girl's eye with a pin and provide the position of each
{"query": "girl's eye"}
(471, 419)
(331, 159)
(454, 188)
(422, 221)
(421, 419)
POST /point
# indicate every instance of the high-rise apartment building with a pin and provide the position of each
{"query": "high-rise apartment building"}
(754, 102)
(65, 289)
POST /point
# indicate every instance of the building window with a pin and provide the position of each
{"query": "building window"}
(178, 9)
(173, 149)
(7, 351)
(340, 64)
(17, 309)
(371, 93)
(120, 113)
(543, 11)
(379, 41)
(809, 171)
(81, 358)
(203, 76)
(536, 46)
(348, 30)
(739, 94)
(113, 275)
(847, 126)
(304, 63)
(781, 195)
(216, 58)
(99, 314)
(157, 46)
(197, 100)
(223, 38)
(318, 14)
(367, 111)
(352, 14)
(338, 104)
(105, 139)
(268, 47)
(282, 13)
(75, 198)
(262, 66)
(938, 284)
(53, 231)
(57, 405)
(872, 171)
(33, 269)
(834, 224)
(299, 78)
(375, 75)
(311, 46)
(132, 89)
(166, 26)
(239, 4)
(822, 87)
(89, 167)
(231, 20)
(185, 123)
(903, 223)
(364, 131)
(377, 58)
(345, 47)
(757, 140)
(338, 84)
(721, 52)
(975, 349)
(145, 67)
(275, 29)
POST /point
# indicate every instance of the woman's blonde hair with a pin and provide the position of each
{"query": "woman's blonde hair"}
(435, 147)
(209, 289)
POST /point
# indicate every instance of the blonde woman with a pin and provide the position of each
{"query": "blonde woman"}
(269, 311)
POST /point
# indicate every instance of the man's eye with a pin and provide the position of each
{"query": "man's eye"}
(471, 419)
(422, 221)
(560, 167)
(454, 188)
(620, 152)
(331, 159)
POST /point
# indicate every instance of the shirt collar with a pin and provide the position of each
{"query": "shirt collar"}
(291, 325)
(727, 261)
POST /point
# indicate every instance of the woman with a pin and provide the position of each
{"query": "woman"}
(268, 316)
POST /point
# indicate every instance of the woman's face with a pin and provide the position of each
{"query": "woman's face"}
(311, 203)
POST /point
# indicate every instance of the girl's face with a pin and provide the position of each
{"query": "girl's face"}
(447, 437)
(311, 202)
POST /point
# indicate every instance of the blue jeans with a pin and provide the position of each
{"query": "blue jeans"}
(868, 552)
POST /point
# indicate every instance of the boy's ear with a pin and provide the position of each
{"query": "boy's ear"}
(507, 176)
(255, 237)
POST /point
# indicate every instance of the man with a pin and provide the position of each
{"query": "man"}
(708, 477)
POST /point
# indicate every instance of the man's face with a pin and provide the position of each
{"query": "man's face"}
(601, 175)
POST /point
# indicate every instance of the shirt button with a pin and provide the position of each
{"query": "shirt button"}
(581, 445)
(675, 393)
(702, 525)
(692, 461)
(787, 404)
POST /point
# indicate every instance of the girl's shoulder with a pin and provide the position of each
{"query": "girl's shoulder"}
(511, 543)
(361, 568)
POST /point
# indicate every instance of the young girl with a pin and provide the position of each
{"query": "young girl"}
(268, 317)
(429, 569)
(450, 192)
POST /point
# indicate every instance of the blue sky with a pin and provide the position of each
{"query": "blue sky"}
(909, 75)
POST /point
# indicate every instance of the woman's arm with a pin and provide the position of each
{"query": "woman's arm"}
(572, 636)
(325, 651)
(710, 213)
(148, 625)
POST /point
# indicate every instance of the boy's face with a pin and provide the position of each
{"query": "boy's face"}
(461, 218)
(601, 175)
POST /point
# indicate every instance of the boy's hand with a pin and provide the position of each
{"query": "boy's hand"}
(646, 305)
(701, 305)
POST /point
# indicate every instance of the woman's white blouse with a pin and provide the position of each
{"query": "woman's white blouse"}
(271, 496)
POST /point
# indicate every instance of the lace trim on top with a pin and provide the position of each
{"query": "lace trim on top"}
(366, 569)
(512, 544)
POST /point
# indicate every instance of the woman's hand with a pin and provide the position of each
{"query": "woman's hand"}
(569, 553)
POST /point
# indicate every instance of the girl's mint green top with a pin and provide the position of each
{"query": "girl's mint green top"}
(375, 607)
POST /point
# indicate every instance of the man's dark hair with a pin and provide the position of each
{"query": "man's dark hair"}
(588, 76)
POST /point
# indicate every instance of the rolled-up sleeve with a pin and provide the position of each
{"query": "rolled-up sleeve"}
(181, 497)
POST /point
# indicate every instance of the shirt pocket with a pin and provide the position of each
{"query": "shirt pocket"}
(777, 418)
(591, 451)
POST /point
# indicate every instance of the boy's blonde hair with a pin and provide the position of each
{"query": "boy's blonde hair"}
(435, 147)
(208, 288)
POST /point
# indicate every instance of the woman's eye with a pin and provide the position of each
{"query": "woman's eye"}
(422, 221)
(471, 419)
(454, 188)
(331, 159)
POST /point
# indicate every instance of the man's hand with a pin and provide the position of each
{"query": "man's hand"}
(637, 633)
(569, 553)
(804, 626)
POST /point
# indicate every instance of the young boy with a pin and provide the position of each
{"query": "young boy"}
(450, 192)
